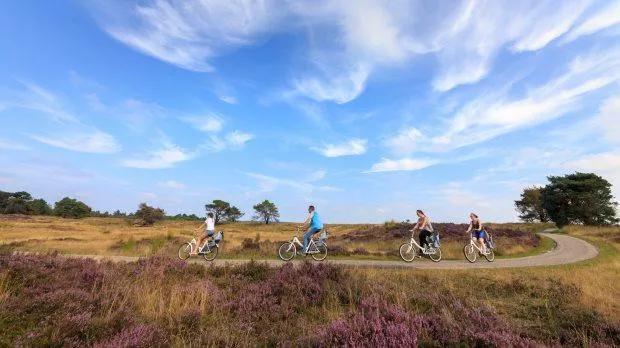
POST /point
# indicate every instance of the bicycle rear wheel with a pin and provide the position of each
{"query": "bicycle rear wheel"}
(211, 254)
(185, 251)
(287, 251)
(470, 253)
(436, 256)
(321, 254)
(407, 252)
(490, 255)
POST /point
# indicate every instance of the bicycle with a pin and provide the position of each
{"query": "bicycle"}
(408, 251)
(472, 249)
(318, 249)
(209, 249)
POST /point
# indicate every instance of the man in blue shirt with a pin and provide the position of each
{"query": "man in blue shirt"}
(315, 225)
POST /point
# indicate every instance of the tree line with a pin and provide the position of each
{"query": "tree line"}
(579, 198)
(23, 203)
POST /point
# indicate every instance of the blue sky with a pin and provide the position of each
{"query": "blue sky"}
(367, 109)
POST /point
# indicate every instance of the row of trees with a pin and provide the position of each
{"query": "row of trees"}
(579, 198)
(23, 203)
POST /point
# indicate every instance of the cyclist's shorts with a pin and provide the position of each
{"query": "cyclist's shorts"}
(209, 233)
(480, 234)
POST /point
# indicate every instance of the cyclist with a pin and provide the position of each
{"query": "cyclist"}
(475, 228)
(315, 225)
(424, 226)
(209, 230)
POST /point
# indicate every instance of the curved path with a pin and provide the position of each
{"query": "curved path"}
(567, 250)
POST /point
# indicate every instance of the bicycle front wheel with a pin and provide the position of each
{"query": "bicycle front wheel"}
(287, 251)
(470, 253)
(211, 254)
(321, 254)
(407, 252)
(436, 256)
(490, 255)
(185, 251)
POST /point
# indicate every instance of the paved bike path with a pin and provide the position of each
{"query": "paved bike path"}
(567, 250)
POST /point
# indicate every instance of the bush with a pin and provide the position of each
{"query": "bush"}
(71, 208)
(147, 216)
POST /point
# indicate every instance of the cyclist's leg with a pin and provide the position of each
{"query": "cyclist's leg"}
(307, 236)
(481, 236)
(423, 235)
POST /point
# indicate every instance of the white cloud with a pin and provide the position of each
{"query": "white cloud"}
(606, 17)
(165, 158)
(268, 183)
(403, 164)
(608, 119)
(405, 141)
(37, 98)
(94, 142)
(228, 99)
(351, 147)
(172, 184)
(188, 33)
(237, 139)
(339, 87)
(605, 164)
(210, 123)
(490, 116)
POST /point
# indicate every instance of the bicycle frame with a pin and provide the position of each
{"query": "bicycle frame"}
(426, 251)
(193, 244)
(473, 241)
(312, 249)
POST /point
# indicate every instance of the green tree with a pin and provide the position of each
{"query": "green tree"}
(233, 214)
(147, 215)
(16, 205)
(223, 211)
(71, 208)
(530, 205)
(580, 198)
(39, 207)
(218, 207)
(266, 211)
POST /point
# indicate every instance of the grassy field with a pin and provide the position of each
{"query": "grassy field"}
(116, 236)
(53, 301)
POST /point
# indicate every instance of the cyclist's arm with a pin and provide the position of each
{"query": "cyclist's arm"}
(307, 221)
(201, 226)
(471, 225)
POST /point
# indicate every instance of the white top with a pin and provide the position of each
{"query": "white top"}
(210, 224)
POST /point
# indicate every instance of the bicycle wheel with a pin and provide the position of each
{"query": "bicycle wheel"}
(287, 251)
(490, 256)
(436, 256)
(211, 254)
(407, 252)
(321, 254)
(185, 251)
(470, 253)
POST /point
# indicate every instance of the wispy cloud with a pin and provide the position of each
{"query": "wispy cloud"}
(268, 183)
(36, 98)
(164, 158)
(187, 33)
(11, 145)
(172, 184)
(237, 139)
(351, 147)
(606, 17)
(210, 123)
(403, 164)
(91, 142)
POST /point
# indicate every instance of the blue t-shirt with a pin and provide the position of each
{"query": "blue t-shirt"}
(316, 221)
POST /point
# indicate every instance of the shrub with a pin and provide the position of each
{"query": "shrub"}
(147, 216)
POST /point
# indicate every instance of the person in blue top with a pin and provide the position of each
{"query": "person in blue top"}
(315, 225)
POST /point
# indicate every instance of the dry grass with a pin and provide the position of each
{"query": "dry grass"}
(116, 236)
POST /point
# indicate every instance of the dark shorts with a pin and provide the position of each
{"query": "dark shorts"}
(209, 233)
(480, 234)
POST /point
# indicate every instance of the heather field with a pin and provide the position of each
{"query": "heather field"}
(117, 236)
(53, 301)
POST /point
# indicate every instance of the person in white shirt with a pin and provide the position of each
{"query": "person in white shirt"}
(209, 229)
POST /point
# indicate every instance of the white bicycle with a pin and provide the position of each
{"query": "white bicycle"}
(208, 250)
(472, 249)
(318, 249)
(408, 251)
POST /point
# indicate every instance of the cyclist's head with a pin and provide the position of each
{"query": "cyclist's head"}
(210, 214)
(473, 216)
(311, 208)
(420, 213)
